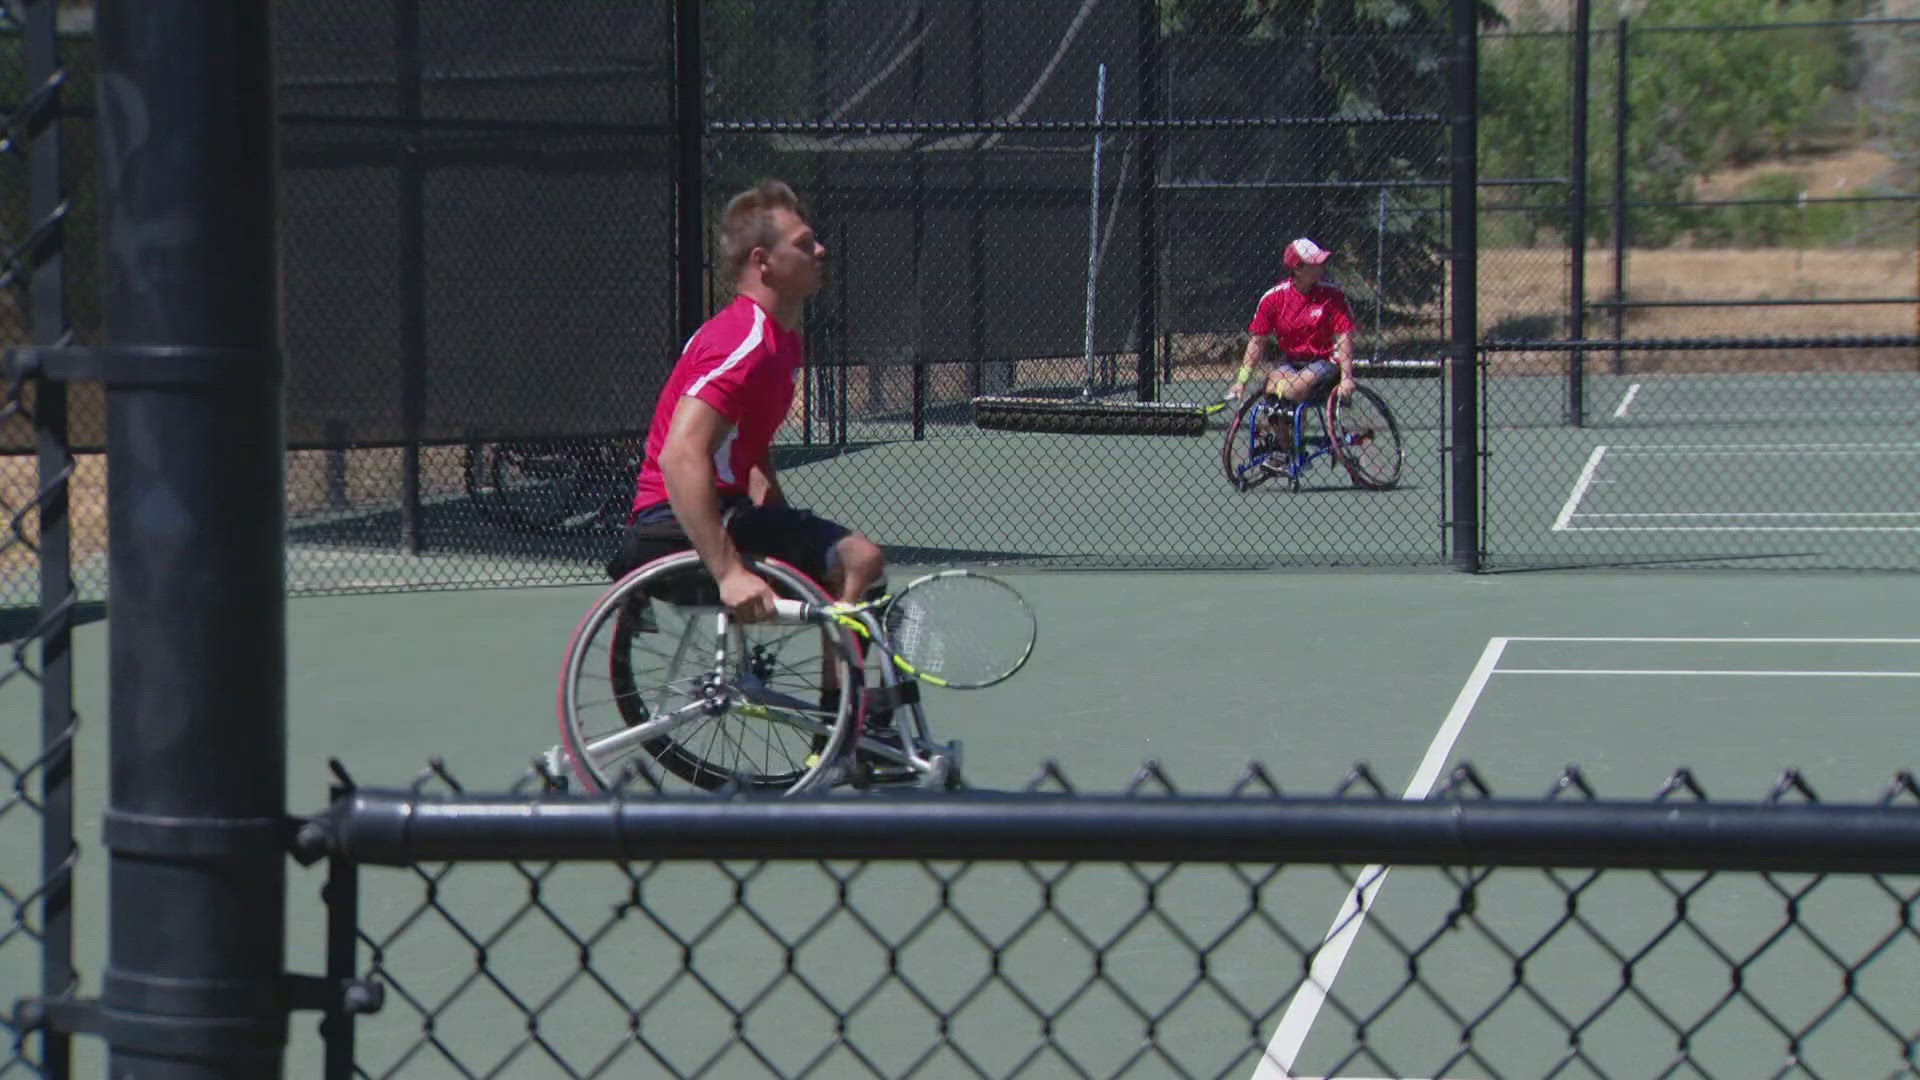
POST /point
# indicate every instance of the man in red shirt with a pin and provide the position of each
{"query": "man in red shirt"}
(1309, 320)
(708, 480)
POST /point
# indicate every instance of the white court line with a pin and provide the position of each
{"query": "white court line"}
(1702, 449)
(1763, 514)
(1741, 640)
(1626, 400)
(1705, 671)
(1741, 528)
(1747, 418)
(1579, 489)
(1291, 1034)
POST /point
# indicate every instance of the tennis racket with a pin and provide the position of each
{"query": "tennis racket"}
(955, 628)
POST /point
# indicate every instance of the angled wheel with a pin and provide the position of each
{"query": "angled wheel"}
(1366, 439)
(656, 681)
(476, 473)
(542, 487)
(1249, 443)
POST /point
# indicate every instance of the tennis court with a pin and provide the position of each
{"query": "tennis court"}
(1736, 676)
(1768, 468)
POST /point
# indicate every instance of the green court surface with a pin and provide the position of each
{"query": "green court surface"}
(1705, 468)
(1737, 467)
(1735, 675)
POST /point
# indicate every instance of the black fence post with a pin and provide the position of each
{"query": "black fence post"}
(342, 896)
(1620, 194)
(193, 988)
(1147, 294)
(976, 214)
(1463, 373)
(1577, 218)
(412, 230)
(689, 169)
(917, 199)
(45, 195)
(837, 425)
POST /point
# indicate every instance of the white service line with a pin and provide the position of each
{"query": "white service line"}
(1738, 640)
(1707, 671)
(1626, 400)
(1746, 448)
(1579, 489)
(1745, 528)
(1764, 514)
(1291, 1034)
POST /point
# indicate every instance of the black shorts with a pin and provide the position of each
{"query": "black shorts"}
(800, 538)
(1324, 372)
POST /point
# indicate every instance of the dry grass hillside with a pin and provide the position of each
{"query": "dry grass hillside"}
(1527, 289)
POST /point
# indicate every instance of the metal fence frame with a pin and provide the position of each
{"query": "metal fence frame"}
(42, 912)
(208, 851)
(1462, 829)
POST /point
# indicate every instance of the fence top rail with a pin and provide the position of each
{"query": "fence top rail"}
(994, 127)
(399, 828)
(1754, 303)
(1599, 30)
(1856, 341)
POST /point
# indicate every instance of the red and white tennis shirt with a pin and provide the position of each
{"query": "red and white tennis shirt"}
(744, 364)
(1304, 324)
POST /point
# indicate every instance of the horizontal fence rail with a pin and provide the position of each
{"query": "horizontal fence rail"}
(398, 828)
(1247, 934)
(1705, 344)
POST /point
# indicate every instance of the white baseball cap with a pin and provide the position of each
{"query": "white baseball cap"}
(1306, 251)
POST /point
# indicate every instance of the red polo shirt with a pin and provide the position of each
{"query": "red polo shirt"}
(745, 365)
(1304, 324)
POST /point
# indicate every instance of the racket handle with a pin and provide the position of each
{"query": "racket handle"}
(797, 611)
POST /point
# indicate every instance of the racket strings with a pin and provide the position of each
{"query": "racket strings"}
(961, 629)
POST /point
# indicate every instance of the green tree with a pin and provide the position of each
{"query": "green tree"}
(1698, 99)
(1358, 59)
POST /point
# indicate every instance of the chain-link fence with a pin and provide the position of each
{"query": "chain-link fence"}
(1151, 932)
(1722, 223)
(1087, 201)
(1736, 452)
(1050, 200)
(37, 848)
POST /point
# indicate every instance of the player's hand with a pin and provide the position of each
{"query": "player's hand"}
(1234, 391)
(747, 595)
(1345, 389)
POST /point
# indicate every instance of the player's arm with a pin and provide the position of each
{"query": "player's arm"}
(696, 433)
(1343, 347)
(1254, 359)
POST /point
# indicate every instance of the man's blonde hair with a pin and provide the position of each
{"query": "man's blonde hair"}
(747, 222)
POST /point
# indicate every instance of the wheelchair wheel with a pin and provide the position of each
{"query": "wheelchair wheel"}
(651, 684)
(1249, 443)
(1366, 439)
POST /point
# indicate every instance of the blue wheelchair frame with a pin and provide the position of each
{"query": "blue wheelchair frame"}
(1305, 451)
